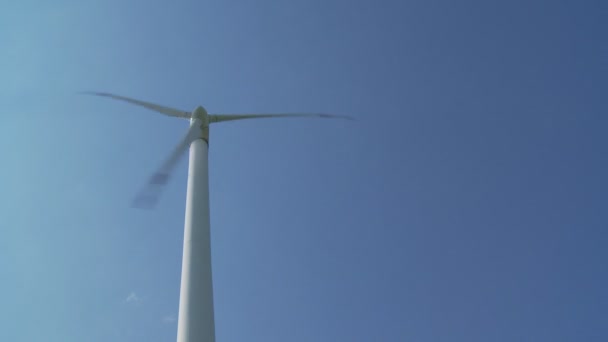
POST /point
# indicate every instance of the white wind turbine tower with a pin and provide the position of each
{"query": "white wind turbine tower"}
(196, 319)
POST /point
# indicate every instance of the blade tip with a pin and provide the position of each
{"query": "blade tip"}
(144, 202)
(89, 92)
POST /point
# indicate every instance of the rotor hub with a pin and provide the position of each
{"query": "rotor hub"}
(201, 117)
(200, 113)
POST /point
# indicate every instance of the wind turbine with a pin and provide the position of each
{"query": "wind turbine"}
(196, 318)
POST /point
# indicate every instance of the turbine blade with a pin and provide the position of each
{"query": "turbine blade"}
(229, 117)
(157, 108)
(151, 192)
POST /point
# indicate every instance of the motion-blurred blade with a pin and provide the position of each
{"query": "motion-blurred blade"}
(150, 194)
(157, 108)
(229, 117)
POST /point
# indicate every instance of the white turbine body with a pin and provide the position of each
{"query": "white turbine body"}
(196, 321)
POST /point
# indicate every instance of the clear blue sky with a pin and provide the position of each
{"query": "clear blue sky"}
(468, 202)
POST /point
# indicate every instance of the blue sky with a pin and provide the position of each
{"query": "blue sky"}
(466, 203)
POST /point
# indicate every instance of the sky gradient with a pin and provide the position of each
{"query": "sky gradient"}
(467, 202)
